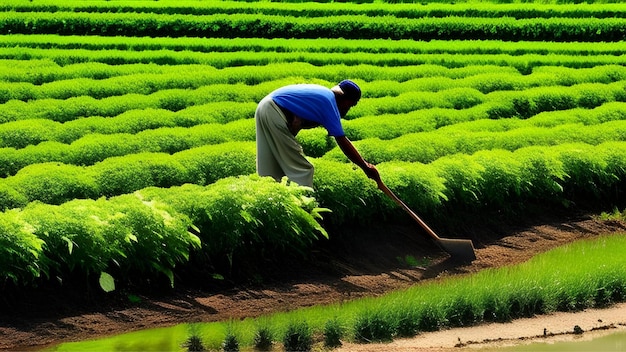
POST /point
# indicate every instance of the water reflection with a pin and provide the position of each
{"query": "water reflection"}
(591, 341)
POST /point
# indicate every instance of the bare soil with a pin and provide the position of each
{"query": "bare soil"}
(339, 271)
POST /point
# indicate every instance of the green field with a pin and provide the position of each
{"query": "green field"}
(127, 135)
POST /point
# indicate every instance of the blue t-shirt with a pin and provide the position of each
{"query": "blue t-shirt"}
(311, 102)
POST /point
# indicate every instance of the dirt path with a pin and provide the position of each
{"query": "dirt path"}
(368, 267)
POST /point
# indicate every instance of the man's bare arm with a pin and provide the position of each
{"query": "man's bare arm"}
(350, 151)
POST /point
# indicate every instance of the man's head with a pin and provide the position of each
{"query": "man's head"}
(347, 94)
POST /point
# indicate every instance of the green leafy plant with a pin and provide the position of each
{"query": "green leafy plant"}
(21, 251)
(230, 343)
(408, 324)
(193, 342)
(263, 339)
(333, 333)
(298, 337)
(373, 327)
(126, 174)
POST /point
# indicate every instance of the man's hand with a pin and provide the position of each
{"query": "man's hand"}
(372, 172)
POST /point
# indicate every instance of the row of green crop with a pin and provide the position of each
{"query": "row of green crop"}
(198, 105)
(140, 86)
(383, 118)
(24, 133)
(133, 113)
(499, 104)
(147, 234)
(208, 87)
(523, 62)
(244, 216)
(558, 280)
(481, 118)
(390, 126)
(210, 84)
(357, 26)
(151, 76)
(516, 10)
(321, 45)
(543, 129)
(427, 147)
(177, 90)
(376, 117)
(523, 104)
(96, 147)
(56, 183)
(484, 181)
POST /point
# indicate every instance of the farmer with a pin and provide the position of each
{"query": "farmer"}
(285, 111)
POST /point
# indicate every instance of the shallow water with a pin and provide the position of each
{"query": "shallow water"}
(604, 342)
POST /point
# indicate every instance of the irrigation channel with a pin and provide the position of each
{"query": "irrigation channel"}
(612, 342)
(606, 334)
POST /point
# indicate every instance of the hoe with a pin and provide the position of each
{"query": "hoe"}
(459, 249)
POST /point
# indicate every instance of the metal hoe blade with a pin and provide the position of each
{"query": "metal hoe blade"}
(459, 249)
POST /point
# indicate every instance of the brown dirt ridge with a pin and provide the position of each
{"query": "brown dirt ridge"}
(368, 267)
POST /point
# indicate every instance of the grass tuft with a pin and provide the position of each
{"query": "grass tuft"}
(298, 337)
(333, 332)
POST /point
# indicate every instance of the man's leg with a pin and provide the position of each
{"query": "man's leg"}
(278, 151)
(266, 163)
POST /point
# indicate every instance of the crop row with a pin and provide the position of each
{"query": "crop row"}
(40, 238)
(429, 146)
(601, 124)
(56, 183)
(220, 85)
(132, 111)
(95, 147)
(380, 118)
(504, 103)
(319, 45)
(139, 234)
(487, 180)
(492, 116)
(496, 105)
(25, 133)
(200, 104)
(353, 27)
(150, 76)
(524, 62)
(156, 90)
(516, 10)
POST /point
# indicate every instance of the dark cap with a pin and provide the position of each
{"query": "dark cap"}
(350, 90)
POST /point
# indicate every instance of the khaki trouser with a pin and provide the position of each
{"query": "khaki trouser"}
(278, 152)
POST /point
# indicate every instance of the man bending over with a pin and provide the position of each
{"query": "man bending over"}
(285, 111)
